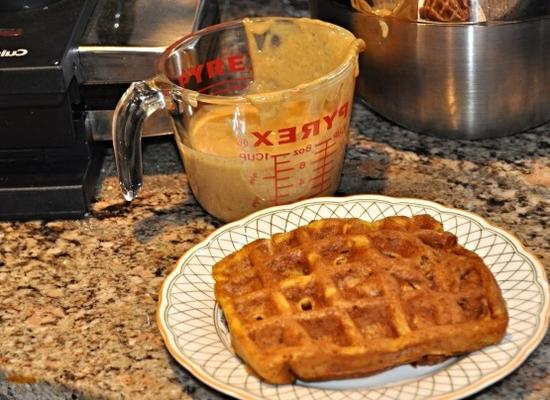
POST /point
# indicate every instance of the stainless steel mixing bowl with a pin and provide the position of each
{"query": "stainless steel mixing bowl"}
(464, 81)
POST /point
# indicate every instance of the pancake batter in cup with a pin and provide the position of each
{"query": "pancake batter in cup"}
(287, 141)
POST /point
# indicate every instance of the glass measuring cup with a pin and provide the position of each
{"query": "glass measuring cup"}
(260, 110)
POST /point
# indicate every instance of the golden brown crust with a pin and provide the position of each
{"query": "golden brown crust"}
(447, 10)
(341, 298)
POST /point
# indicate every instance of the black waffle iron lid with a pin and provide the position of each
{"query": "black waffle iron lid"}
(37, 44)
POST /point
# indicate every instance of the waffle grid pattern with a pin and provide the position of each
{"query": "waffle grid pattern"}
(447, 10)
(198, 336)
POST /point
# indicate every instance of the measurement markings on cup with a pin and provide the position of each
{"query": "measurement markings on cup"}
(281, 176)
(323, 166)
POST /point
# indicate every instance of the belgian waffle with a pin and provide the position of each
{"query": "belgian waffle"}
(343, 298)
(447, 10)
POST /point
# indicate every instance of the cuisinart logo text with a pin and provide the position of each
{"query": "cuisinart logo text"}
(13, 53)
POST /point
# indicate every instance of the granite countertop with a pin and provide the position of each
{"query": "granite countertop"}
(78, 297)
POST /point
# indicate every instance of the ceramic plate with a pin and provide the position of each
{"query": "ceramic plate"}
(192, 324)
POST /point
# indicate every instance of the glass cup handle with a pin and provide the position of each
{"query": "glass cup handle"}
(141, 100)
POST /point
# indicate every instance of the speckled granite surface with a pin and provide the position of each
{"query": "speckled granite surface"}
(78, 298)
